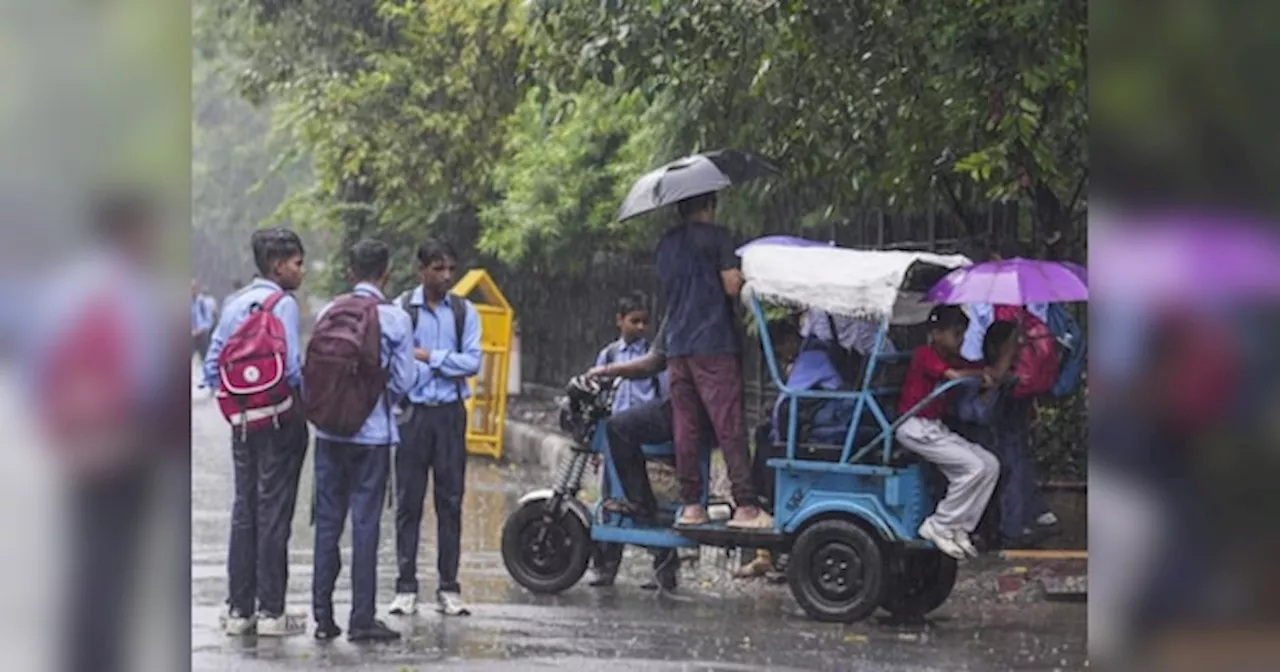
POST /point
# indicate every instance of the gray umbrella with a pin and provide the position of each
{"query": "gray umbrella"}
(693, 176)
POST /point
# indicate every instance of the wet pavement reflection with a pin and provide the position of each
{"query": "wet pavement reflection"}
(716, 623)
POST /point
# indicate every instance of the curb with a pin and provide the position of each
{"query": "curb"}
(524, 443)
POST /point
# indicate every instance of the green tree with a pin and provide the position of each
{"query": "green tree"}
(401, 106)
(856, 100)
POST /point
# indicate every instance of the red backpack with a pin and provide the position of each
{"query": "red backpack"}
(254, 394)
(1036, 363)
(343, 371)
(86, 403)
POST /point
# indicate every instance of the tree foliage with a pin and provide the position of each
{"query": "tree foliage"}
(857, 100)
(518, 126)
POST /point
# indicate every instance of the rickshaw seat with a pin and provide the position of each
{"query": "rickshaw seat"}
(830, 452)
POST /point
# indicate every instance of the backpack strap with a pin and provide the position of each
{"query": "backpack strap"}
(274, 298)
(413, 311)
(611, 353)
(459, 306)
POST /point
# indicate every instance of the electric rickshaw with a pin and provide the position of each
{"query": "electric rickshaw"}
(845, 514)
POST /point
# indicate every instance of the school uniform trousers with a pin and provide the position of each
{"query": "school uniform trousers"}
(349, 477)
(268, 464)
(432, 443)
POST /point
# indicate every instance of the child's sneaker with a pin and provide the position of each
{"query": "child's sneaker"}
(284, 625)
(964, 542)
(236, 625)
(405, 604)
(932, 532)
(451, 604)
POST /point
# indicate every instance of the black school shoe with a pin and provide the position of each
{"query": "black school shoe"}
(376, 632)
(327, 631)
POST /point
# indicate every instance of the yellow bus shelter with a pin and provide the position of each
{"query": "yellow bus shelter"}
(487, 407)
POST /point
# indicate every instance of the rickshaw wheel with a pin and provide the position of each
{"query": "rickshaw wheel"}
(545, 551)
(836, 571)
(922, 581)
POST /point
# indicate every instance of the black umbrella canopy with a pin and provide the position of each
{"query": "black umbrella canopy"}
(691, 176)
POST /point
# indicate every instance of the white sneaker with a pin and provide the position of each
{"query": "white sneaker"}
(1047, 519)
(285, 625)
(404, 604)
(964, 542)
(235, 625)
(931, 531)
(451, 604)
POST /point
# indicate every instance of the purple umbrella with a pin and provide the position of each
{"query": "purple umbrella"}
(1012, 282)
(782, 241)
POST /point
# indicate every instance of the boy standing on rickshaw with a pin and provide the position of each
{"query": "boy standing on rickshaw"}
(699, 273)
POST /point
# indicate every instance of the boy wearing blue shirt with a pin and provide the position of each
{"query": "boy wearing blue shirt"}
(632, 320)
(434, 440)
(268, 463)
(352, 471)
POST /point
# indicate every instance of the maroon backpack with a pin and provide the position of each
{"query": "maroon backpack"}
(254, 394)
(343, 372)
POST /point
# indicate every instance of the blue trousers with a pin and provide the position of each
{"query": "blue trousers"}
(1021, 501)
(433, 442)
(349, 477)
(267, 464)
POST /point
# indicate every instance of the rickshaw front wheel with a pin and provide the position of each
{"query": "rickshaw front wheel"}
(922, 580)
(836, 571)
(545, 551)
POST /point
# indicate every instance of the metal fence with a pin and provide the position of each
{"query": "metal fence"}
(565, 321)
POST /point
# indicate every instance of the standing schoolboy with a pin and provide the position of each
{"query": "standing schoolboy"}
(351, 409)
(267, 459)
(971, 470)
(203, 308)
(446, 337)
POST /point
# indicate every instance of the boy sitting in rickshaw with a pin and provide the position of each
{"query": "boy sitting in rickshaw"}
(971, 470)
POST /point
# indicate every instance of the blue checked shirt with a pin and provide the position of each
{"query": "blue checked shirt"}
(632, 392)
(438, 379)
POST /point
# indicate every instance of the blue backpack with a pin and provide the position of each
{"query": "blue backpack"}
(1073, 349)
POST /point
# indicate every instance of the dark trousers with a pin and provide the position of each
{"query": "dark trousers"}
(200, 344)
(706, 396)
(433, 441)
(628, 432)
(762, 474)
(268, 464)
(349, 477)
(1020, 499)
(106, 526)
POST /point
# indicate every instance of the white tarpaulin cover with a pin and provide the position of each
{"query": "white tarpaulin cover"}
(864, 284)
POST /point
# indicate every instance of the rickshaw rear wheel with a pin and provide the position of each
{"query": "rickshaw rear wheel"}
(545, 551)
(921, 581)
(836, 571)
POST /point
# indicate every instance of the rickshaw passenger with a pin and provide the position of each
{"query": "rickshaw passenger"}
(699, 274)
(970, 469)
(632, 319)
(628, 431)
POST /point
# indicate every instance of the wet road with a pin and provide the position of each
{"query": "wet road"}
(717, 624)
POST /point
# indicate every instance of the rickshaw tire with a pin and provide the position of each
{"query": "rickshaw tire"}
(567, 530)
(819, 560)
(920, 586)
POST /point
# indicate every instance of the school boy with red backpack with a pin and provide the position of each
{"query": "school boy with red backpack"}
(255, 366)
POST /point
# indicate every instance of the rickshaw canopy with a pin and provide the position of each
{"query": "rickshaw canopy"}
(863, 284)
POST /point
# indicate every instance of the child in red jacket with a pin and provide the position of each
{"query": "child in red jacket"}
(971, 470)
